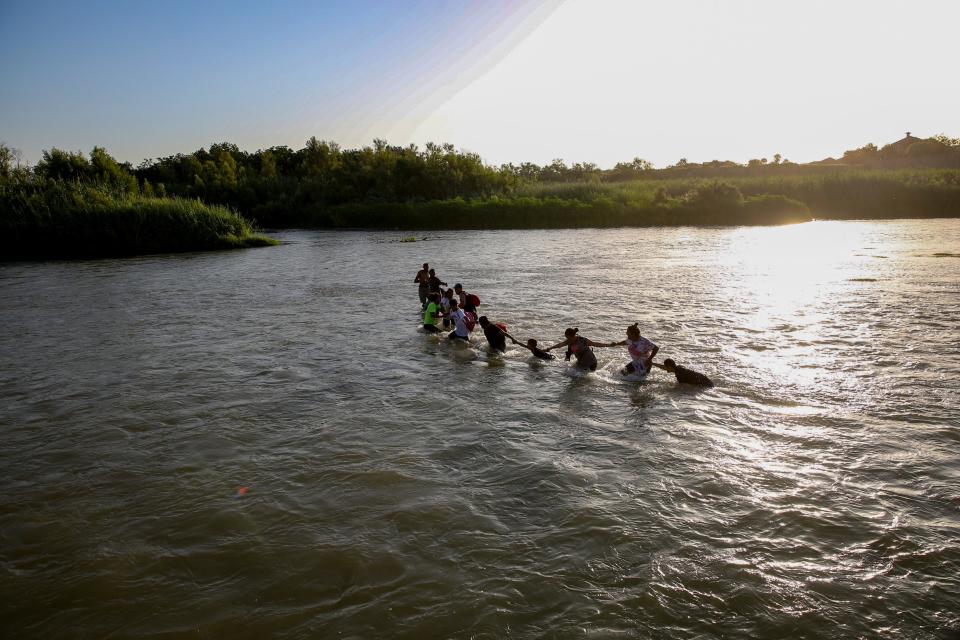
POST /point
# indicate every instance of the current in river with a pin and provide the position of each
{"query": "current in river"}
(263, 443)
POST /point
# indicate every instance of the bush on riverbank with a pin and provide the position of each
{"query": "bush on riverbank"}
(51, 218)
(875, 194)
(852, 194)
(711, 204)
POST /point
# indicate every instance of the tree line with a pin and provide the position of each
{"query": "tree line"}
(280, 186)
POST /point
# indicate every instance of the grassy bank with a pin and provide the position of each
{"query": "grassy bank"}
(744, 201)
(59, 219)
(554, 213)
(878, 194)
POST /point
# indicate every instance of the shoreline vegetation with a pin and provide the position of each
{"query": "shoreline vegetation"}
(75, 205)
(107, 215)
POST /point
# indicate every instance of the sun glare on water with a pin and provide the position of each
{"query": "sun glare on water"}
(794, 266)
(796, 277)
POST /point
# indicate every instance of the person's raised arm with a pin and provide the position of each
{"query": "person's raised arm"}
(559, 344)
(657, 365)
(617, 344)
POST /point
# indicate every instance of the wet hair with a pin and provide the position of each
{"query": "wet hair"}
(634, 328)
(426, 265)
(433, 272)
(531, 342)
(669, 363)
(570, 332)
(483, 321)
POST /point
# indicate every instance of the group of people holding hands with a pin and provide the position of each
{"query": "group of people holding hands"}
(458, 309)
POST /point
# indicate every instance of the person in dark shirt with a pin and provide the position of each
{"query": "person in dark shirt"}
(496, 334)
(684, 375)
(538, 353)
(434, 283)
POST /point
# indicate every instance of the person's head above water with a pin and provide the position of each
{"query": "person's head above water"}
(433, 272)
(454, 304)
(434, 297)
(532, 343)
(633, 331)
(669, 365)
(483, 321)
(426, 265)
(458, 287)
(570, 332)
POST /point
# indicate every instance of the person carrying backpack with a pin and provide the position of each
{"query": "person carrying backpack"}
(468, 301)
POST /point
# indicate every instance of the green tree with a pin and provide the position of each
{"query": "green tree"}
(9, 160)
(636, 165)
(268, 165)
(58, 164)
(866, 154)
(929, 147)
(105, 170)
(945, 139)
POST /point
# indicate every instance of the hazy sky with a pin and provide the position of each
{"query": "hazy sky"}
(583, 80)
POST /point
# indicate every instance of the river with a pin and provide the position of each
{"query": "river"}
(261, 443)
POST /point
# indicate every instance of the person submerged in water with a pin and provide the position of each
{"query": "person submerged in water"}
(684, 375)
(579, 347)
(430, 313)
(496, 334)
(641, 351)
(537, 352)
(459, 318)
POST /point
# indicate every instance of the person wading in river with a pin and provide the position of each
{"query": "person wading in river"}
(459, 318)
(496, 335)
(423, 279)
(536, 351)
(684, 375)
(430, 313)
(641, 351)
(580, 347)
(434, 283)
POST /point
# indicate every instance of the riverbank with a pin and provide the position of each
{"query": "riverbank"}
(558, 213)
(53, 219)
(877, 195)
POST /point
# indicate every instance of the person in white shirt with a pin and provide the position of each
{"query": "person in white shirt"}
(459, 318)
(641, 351)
